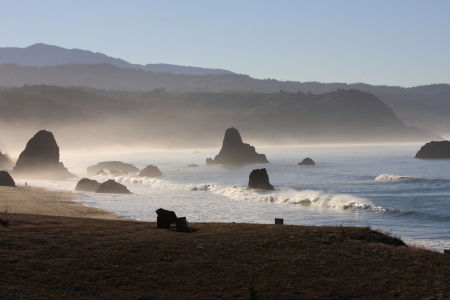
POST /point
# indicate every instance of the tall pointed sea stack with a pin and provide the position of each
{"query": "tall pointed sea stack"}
(40, 159)
(235, 152)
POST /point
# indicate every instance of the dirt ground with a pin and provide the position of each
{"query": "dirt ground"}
(52, 257)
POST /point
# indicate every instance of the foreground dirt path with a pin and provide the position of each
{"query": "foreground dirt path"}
(34, 200)
(50, 257)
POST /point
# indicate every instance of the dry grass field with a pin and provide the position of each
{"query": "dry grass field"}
(53, 257)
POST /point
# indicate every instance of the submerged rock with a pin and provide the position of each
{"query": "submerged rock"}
(435, 150)
(112, 187)
(235, 152)
(259, 179)
(87, 185)
(6, 179)
(111, 165)
(307, 162)
(150, 171)
(40, 159)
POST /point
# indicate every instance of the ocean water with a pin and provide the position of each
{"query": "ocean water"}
(381, 186)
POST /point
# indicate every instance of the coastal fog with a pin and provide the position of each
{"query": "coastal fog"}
(90, 120)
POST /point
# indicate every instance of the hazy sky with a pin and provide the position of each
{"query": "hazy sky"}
(393, 42)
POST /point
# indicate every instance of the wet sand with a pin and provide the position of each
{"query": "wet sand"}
(35, 200)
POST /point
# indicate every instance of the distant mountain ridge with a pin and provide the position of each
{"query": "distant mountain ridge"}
(42, 55)
(426, 107)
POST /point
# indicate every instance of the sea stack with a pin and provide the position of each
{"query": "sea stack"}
(435, 150)
(40, 159)
(259, 179)
(235, 152)
(6, 179)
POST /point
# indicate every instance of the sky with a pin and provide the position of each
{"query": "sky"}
(379, 42)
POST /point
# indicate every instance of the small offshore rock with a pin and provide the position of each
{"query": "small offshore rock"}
(307, 162)
(112, 187)
(150, 171)
(87, 185)
(259, 179)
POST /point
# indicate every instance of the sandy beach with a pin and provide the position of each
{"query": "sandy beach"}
(35, 200)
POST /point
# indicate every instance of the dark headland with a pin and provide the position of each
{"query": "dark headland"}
(435, 150)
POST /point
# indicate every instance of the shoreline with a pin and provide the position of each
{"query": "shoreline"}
(41, 201)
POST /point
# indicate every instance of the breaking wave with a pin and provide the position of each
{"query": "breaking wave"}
(391, 177)
(280, 196)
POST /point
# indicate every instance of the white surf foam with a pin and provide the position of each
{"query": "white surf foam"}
(281, 196)
(391, 177)
(289, 196)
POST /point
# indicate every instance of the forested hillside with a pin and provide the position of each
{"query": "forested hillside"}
(426, 107)
(85, 117)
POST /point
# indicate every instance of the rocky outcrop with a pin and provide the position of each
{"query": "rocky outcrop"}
(259, 179)
(435, 150)
(235, 152)
(87, 185)
(112, 165)
(40, 159)
(6, 179)
(5, 162)
(112, 187)
(150, 171)
(192, 166)
(307, 162)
